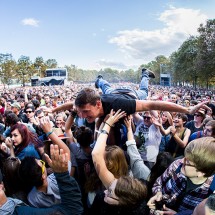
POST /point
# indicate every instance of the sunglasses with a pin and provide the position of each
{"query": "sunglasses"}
(147, 117)
(28, 111)
(43, 166)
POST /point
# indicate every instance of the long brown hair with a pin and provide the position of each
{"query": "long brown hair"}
(115, 161)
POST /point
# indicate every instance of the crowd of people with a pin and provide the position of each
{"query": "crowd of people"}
(107, 149)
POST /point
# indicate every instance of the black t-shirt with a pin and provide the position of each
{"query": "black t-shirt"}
(118, 101)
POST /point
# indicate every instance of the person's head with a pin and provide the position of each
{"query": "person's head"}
(11, 119)
(186, 102)
(21, 137)
(199, 116)
(164, 159)
(126, 191)
(173, 98)
(180, 119)
(36, 103)
(210, 205)
(21, 102)
(88, 104)
(47, 99)
(199, 157)
(84, 136)
(10, 175)
(39, 114)
(15, 107)
(198, 98)
(29, 110)
(32, 172)
(165, 119)
(115, 161)
(208, 97)
(209, 129)
(59, 121)
(147, 118)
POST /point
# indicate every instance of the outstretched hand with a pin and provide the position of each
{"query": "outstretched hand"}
(193, 109)
(127, 122)
(46, 124)
(114, 117)
(59, 159)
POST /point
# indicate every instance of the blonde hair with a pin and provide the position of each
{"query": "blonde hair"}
(115, 161)
(201, 152)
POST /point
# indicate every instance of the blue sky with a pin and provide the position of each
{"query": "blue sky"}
(95, 34)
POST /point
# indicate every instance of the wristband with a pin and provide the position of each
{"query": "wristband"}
(48, 133)
(108, 124)
(73, 114)
(104, 132)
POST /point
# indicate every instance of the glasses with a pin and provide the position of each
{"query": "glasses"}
(43, 166)
(147, 117)
(186, 163)
(28, 111)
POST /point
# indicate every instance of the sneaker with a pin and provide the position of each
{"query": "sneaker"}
(150, 73)
(97, 81)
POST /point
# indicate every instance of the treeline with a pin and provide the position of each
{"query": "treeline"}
(192, 64)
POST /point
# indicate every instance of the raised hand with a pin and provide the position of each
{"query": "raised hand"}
(59, 159)
(114, 117)
(127, 122)
(46, 124)
(193, 109)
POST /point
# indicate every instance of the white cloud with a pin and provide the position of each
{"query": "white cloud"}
(31, 22)
(111, 64)
(179, 24)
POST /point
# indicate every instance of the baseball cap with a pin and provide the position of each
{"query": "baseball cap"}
(16, 105)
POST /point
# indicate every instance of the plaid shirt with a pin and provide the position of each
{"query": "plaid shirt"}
(172, 183)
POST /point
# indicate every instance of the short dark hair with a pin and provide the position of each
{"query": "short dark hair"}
(87, 96)
(30, 172)
(11, 119)
(182, 116)
(84, 136)
(38, 112)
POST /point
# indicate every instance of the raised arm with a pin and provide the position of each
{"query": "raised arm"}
(138, 168)
(143, 105)
(47, 128)
(66, 106)
(68, 125)
(98, 152)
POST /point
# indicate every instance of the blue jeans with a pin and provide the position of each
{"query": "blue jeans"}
(141, 94)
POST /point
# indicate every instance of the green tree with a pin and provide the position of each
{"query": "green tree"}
(24, 69)
(7, 68)
(39, 66)
(206, 54)
(51, 63)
